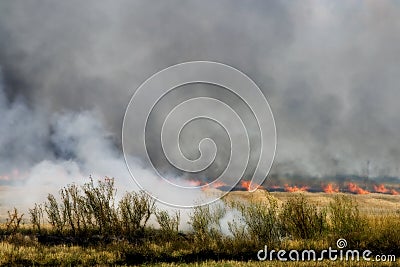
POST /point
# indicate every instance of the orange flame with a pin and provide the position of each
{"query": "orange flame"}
(330, 188)
(394, 192)
(295, 188)
(380, 189)
(216, 185)
(246, 185)
(356, 189)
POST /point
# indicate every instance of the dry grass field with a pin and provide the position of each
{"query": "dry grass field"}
(87, 227)
(371, 204)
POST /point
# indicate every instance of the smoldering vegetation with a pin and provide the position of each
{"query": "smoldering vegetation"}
(88, 218)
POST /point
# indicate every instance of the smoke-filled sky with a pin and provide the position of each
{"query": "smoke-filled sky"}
(329, 69)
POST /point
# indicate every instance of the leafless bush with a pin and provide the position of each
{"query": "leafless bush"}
(13, 221)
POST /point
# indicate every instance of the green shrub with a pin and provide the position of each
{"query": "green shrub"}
(100, 205)
(384, 234)
(303, 220)
(205, 222)
(135, 210)
(55, 217)
(36, 217)
(261, 220)
(169, 224)
(345, 219)
(91, 209)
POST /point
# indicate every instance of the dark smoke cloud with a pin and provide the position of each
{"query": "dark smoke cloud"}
(330, 70)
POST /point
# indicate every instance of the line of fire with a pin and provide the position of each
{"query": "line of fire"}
(350, 184)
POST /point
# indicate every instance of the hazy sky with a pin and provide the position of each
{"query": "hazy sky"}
(329, 69)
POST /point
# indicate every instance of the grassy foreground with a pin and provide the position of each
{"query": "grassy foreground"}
(276, 264)
(87, 226)
(14, 255)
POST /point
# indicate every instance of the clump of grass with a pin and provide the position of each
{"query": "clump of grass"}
(345, 220)
(16, 255)
(261, 221)
(384, 233)
(303, 220)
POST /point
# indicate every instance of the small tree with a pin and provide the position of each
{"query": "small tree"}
(135, 210)
(100, 204)
(169, 224)
(55, 217)
(205, 221)
(36, 215)
(13, 222)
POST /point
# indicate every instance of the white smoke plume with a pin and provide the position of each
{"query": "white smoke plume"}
(42, 156)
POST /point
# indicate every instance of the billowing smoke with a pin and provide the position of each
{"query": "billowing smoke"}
(42, 154)
(330, 71)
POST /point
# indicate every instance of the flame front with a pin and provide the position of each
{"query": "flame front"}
(330, 188)
(394, 192)
(295, 188)
(246, 185)
(380, 189)
(215, 185)
(356, 189)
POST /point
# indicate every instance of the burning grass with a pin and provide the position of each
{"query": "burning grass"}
(86, 226)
